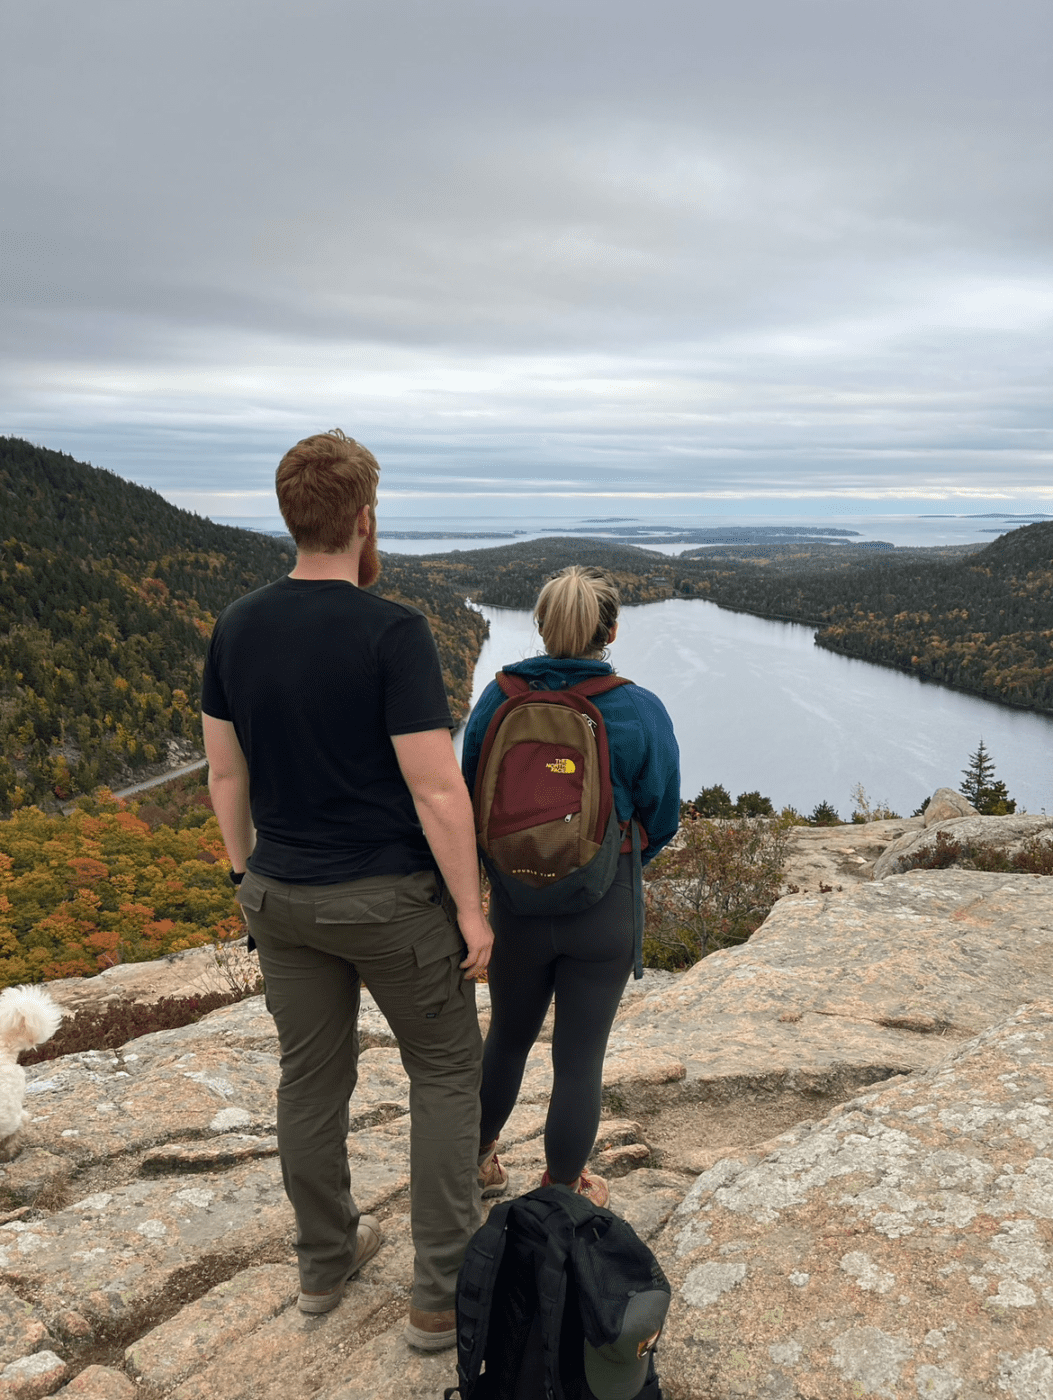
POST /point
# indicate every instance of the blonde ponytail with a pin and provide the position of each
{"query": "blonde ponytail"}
(576, 611)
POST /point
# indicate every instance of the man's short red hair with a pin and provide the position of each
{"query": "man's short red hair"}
(322, 484)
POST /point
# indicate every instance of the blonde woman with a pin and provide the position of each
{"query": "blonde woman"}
(582, 959)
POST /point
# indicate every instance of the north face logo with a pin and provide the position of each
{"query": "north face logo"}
(562, 765)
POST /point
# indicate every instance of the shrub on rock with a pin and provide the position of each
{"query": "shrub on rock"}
(714, 890)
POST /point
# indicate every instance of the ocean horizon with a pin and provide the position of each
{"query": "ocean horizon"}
(669, 534)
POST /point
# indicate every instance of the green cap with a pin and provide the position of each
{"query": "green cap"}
(618, 1370)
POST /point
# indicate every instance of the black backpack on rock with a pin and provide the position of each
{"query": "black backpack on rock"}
(558, 1299)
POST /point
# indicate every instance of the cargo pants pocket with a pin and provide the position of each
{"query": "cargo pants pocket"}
(250, 894)
(437, 980)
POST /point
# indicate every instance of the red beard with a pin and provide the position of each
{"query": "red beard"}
(369, 563)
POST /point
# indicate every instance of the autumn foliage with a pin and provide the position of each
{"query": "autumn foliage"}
(113, 882)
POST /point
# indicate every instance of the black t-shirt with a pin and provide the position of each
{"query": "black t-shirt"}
(315, 676)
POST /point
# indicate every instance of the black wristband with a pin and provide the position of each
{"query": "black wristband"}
(236, 877)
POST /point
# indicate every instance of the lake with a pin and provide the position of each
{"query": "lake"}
(757, 705)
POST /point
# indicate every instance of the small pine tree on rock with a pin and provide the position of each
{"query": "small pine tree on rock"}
(979, 773)
(753, 804)
(714, 802)
(987, 794)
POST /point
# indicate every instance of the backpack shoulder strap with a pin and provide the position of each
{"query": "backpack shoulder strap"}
(475, 1294)
(638, 902)
(552, 1298)
(547, 1209)
(512, 685)
(599, 685)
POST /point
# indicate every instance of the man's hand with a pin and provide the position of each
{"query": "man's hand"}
(480, 939)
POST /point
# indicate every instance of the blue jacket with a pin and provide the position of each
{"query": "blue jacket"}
(645, 760)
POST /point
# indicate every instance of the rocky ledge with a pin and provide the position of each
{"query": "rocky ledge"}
(838, 1139)
(903, 1246)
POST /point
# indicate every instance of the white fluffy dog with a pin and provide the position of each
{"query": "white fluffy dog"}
(28, 1017)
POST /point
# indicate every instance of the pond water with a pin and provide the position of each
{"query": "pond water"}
(757, 705)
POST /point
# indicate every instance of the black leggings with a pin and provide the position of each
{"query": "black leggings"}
(585, 960)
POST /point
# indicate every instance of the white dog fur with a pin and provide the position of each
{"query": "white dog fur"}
(28, 1017)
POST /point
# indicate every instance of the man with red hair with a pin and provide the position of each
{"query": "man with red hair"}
(352, 844)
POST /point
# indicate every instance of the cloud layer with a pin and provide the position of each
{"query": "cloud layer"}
(693, 253)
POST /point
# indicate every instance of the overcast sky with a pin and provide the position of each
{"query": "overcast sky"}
(672, 258)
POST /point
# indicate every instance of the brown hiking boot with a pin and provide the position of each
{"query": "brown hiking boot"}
(431, 1331)
(367, 1242)
(594, 1187)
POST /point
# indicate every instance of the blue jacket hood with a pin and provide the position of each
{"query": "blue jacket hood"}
(556, 673)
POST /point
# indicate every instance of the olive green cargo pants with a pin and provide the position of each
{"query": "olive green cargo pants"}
(317, 945)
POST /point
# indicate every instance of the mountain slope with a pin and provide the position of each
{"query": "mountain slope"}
(107, 597)
(984, 625)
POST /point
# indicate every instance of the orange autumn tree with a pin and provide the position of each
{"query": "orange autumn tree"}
(103, 886)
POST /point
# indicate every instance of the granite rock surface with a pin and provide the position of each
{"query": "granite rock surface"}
(903, 1246)
(945, 803)
(840, 856)
(841, 990)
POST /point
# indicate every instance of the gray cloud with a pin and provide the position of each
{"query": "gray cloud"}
(786, 245)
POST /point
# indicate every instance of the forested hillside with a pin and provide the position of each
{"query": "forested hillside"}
(511, 576)
(977, 619)
(107, 598)
(982, 624)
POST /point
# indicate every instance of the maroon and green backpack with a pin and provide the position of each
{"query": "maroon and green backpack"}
(545, 819)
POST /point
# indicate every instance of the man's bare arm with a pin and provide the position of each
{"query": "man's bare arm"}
(433, 777)
(228, 782)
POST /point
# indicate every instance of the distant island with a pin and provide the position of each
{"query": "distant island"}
(641, 532)
(449, 534)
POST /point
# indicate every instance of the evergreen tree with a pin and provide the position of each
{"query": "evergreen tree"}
(824, 814)
(753, 804)
(987, 794)
(978, 775)
(714, 802)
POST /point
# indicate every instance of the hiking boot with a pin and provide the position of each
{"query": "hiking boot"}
(594, 1187)
(431, 1331)
(493, 1177)
(367, 1242)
